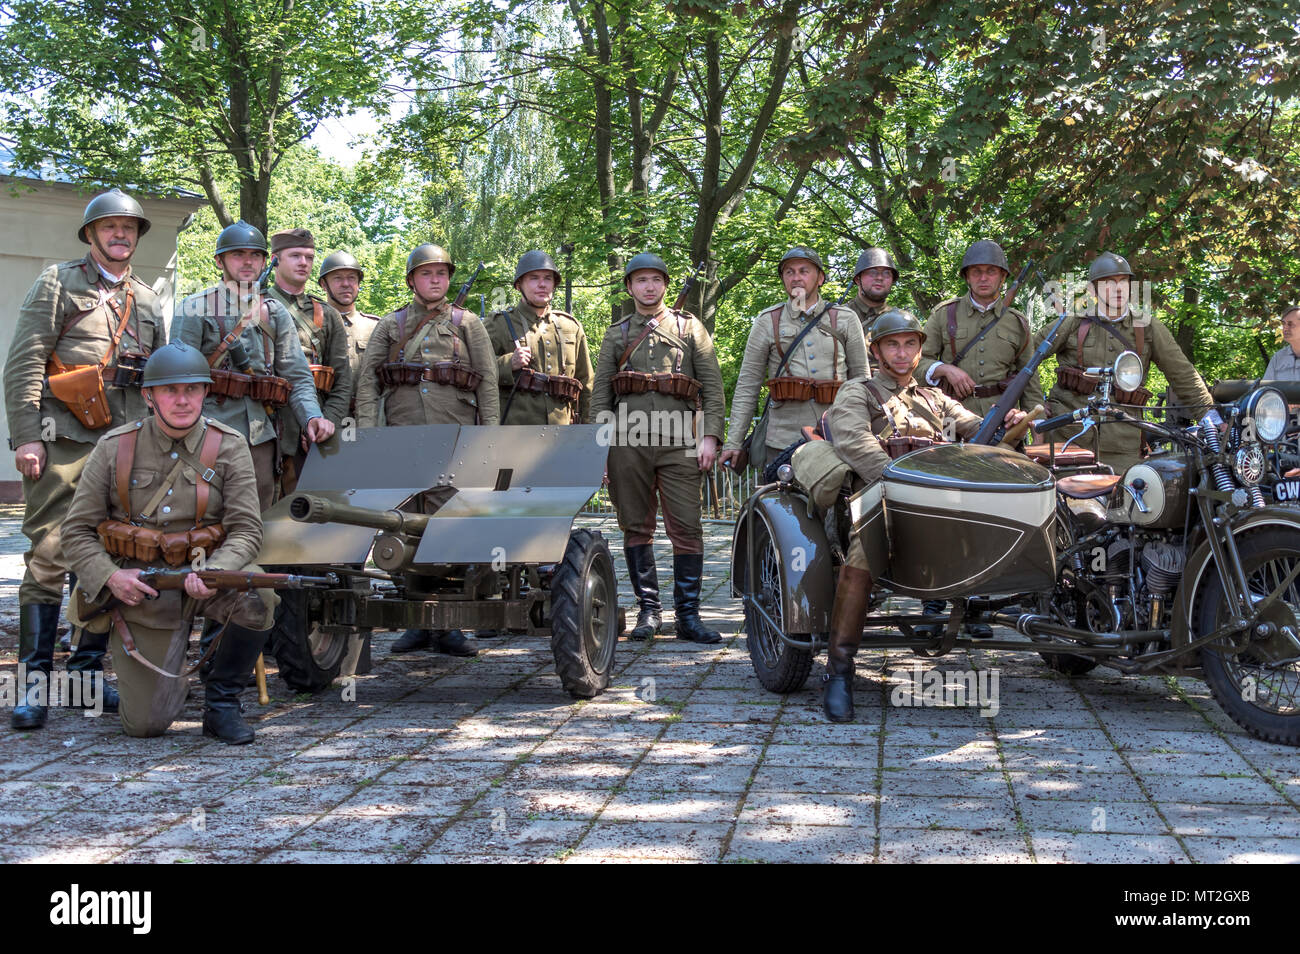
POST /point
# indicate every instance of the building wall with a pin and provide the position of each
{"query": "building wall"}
(38, 227)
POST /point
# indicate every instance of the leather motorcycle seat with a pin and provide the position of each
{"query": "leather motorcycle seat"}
(1087, 486)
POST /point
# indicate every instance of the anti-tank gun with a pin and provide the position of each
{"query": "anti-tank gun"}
(466, 528)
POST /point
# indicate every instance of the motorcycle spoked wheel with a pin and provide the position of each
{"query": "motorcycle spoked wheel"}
(1070, 664)
(1261, 697)
(780, 668)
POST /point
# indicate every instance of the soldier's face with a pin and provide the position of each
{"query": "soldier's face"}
(115, 237)
(801, 279)
(343, 286)
(241, 265)
(876, 283)
(538, 287)
(1113, 293)
(984, 282)
(647, 287)
(177, 406)
(430, 282)
(295, 264)
(898, 354)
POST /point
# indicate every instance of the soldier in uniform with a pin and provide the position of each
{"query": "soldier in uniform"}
(863, 410)
(252, 345)
(191, 478)
(324, 340)
(341, 276)
(1095, 337)
(875, 274)
(74, 368)
(973, 350)
(831, 353)
(655, 368)
(543, 367)
(429, 363)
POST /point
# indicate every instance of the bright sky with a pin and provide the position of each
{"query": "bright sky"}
(344, 139)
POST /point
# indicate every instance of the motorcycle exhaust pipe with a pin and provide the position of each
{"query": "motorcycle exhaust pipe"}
(1034, 626)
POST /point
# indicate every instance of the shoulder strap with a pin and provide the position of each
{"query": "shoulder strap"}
(952, 328)
(884, 412)
(785, 358)
(835, 342)
(207, 464)
(123, 316)
(398, 346)
(1024, 326)
(125, 461)
(1085, 325)
(980, 335)
(650, 326)
(317, 314)
(776, 339)
(235, 332)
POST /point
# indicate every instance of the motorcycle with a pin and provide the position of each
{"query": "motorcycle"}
(1180, 565)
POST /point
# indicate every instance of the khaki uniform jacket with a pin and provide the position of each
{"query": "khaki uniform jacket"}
(327, 345)
(813, 359)
(868, 315)
(680, 343)
(46, 325)
(232, 502)
(1001, 353)
(559, 346)
(438, 338)
(857, 419)
(359, 327)
(204, 319)
(1122, 443)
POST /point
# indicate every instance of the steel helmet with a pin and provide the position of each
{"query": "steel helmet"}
(176, 363)
(338, 260)
(875, 258)
(537, 261)
(1107, 264)
(645, 260)
(896, 321)
(112, 202)
(984, 252)
(800, 252)
(429, 254)
(241, 235)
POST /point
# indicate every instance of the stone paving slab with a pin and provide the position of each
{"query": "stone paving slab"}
(684, 759)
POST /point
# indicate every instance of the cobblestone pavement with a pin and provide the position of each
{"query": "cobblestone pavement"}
(685, 758)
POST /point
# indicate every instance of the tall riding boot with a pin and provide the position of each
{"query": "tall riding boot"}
(852, 595)
(932, 608)
(232, 665)
(37, 624)
(88, 659)
(645, 584)
(688, 578)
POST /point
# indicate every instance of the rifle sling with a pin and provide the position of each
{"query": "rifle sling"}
(785, 355)
(952, 334)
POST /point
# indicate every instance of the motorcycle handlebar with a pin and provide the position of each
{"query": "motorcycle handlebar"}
(1052, 423)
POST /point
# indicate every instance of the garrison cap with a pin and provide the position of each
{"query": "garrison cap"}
(291, 238)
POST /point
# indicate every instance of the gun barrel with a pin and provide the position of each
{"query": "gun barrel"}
(311, 509)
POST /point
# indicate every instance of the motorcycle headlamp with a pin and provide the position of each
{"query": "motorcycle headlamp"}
(1267, 409)
(1128, 371)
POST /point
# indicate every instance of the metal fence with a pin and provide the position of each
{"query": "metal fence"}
(721, 494)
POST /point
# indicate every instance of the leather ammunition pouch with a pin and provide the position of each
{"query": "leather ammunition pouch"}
(230, 384)
(897, 446)
(450, 374)
(1139, 396)
(790, 388)
(323, 377)
(558, 386)
(263, 388)
(1076, 380)
(664, 382)
(149, 546)
(81, 390)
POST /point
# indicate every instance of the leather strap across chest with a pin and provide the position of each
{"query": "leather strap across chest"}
(398, 348)
(835, 338)
(123, 317)
(952, 334)
(1086, 325)
(229, 338)
(207, 475)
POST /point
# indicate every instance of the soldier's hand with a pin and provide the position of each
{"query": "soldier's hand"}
(29, 458)
(521, 358)
(126, 586)
(727, 458)
(319, 429)
(962, 383)
(707, 452)
(1014, 417)
(196, 588)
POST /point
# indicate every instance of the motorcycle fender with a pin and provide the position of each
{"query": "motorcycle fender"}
(807, 570)
(1201, 563)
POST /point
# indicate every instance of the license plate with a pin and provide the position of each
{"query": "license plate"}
(1287, 491)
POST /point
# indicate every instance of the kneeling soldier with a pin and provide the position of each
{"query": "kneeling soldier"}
(172, 490)
(865, 413)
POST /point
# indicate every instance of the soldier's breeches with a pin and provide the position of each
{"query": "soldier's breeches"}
(857, 556)
(642, 480)
(265, 457)
(46, 505)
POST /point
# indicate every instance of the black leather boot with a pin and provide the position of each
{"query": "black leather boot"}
(453, 642)
(688, 577)
(88, 659)
(852, 595)
(232, 665)
(411, 640)
(37, 625)
(645, 584)
(932, 608)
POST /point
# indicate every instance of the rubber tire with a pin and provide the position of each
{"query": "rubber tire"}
(791, 667)
(583, 584)
(1069, 664)
(299, 667)
(1269, 726)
